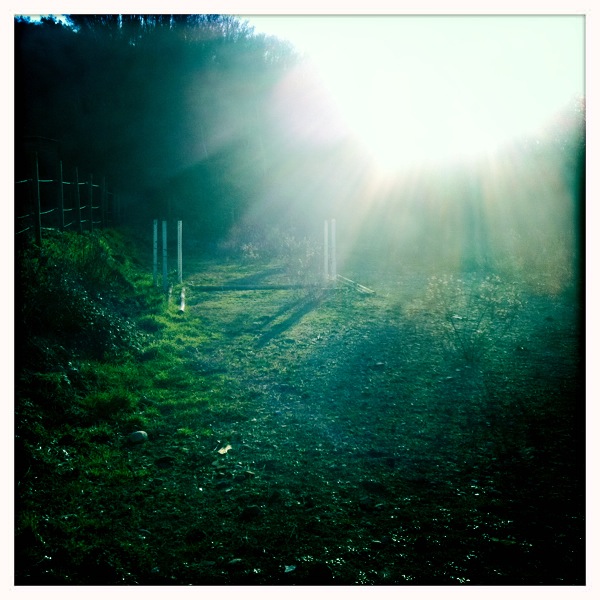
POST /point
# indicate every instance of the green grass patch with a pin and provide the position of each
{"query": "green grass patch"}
(326, 431)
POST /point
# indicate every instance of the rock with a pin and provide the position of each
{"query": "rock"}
(235, 563)
(138, 437)
(250, 512)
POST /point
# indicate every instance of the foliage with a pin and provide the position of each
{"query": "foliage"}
(61, 291)
(135, 83)
(473, 313)
(300, 255)
(297, 254)
(299, 442)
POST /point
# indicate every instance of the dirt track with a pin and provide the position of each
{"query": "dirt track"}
(363, 452)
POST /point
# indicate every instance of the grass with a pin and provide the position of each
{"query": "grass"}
(363, 445)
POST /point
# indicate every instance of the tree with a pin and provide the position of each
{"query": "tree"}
(144, 98)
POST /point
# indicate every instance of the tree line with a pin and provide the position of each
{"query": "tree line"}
(197, 117)
(172, 109)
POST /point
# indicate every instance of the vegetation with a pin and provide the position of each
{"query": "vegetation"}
(197, 117)
(474, 313)
(294, 436)
(105, 92)
(294, 432)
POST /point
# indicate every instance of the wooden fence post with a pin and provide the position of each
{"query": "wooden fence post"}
(103, 203)
(37, 217)
(78, 202)
(91, 203)
(61, 197)
(109, 212)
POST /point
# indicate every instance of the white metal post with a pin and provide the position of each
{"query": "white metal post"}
(179, 251)
(326, 251)
(164, 260)
(155, 252)
(333, 260)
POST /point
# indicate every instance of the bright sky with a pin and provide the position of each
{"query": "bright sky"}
(419, 88)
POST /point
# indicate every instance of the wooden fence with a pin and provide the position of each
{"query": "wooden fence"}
(42, 204)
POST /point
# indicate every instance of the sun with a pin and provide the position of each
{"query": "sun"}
(425, 115)
(416, 117)
(434, 90)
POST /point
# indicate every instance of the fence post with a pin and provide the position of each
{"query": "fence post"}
(326, 251)
(155, 252)
(103, 204)
(37, 217)
(164, 249)
(180, 251)
(91, 203)
(61, 197)
(333, 260)
(78, 202)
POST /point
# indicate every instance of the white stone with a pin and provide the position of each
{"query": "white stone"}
(138, 437)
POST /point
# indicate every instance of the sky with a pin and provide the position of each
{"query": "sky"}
(414, 89)
(419, 88)
(430, 88)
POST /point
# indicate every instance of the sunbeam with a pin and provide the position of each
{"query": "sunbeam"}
(417, 91)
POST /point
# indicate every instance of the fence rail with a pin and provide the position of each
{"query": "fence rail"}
(46, 204)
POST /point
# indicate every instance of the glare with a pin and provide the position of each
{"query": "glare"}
(427, 90)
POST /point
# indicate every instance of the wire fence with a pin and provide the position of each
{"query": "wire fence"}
(59, 204)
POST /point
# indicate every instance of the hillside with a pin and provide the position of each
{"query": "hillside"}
(294, 436)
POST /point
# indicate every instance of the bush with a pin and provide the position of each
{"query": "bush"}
(106, 405)
(299, 256)
(472, 313)
(67, 291)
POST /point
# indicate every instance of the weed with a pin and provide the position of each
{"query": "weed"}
(108, 404)
(300, 257)
(472, 313)
(151, 324)
(314, 396)
(185, 432)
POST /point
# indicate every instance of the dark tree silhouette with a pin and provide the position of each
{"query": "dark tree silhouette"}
(144, 99)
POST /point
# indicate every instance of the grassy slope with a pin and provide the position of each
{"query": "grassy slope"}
(363, 448)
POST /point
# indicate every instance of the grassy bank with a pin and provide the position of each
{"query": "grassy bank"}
(431, 433)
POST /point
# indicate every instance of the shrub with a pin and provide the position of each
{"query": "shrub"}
(472, 313)
(68, 291)
(107, 405)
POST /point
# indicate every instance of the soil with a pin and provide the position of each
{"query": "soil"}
(353, 446)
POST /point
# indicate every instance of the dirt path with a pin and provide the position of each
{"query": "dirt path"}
(354, 449)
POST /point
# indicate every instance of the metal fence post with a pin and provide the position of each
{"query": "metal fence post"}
(180, 251)
(164, 249)
(155, 252)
